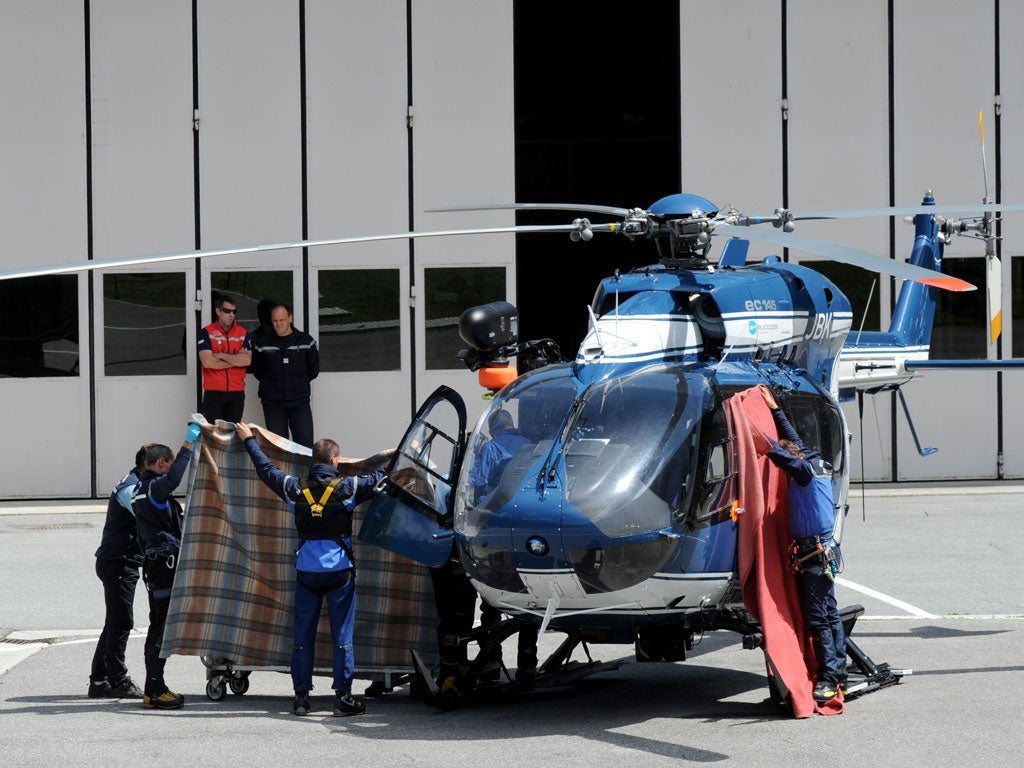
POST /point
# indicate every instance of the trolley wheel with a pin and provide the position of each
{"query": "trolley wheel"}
(216, 690)
(239, 685)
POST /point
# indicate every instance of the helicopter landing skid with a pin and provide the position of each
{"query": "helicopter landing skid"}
(864, 675)
(868, 676)
(472, 683)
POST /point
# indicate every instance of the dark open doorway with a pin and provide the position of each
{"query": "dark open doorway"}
(597, 122)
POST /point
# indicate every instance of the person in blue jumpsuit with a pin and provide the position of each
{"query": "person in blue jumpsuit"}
(159, 518)
(495, 454)
(118, 560)
(322, 504)
(815, 552)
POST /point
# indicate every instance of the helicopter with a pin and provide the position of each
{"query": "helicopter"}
(614, 521)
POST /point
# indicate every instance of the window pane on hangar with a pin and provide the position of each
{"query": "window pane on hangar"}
(448, 293)
(39, 327)
(144, 324)
(247, 289)
(961, 318)
(359, 320)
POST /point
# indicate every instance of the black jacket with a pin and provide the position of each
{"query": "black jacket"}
(158, 514)
(284, 365)
(120, 540)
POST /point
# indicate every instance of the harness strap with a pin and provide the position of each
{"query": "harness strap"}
(826, 555)
(317, 507)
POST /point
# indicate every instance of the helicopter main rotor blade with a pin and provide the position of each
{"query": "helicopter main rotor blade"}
(909, 210)
(847, 255)
(87, 266)
(607, 209)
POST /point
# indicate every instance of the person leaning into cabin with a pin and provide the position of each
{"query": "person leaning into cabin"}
(117, 565)
(322, 504)
(224, 352)
(159, 518)
(495, 454)
(815, 553)
(284, 361)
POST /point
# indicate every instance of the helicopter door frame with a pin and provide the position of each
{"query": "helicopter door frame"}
(411, 477)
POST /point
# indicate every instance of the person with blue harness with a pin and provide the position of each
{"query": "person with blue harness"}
(159, 518)
(815, 554)
(322, 504)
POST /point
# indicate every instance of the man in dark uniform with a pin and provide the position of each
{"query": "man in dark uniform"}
(812, 517)
(322, 504)
(159, 517)
(117, 566)
(284, 362)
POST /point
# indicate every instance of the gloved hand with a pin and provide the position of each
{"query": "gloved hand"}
(193, 433)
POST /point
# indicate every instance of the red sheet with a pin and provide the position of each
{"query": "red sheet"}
(769, 589)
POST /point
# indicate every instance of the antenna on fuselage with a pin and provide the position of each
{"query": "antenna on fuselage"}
(867, 306)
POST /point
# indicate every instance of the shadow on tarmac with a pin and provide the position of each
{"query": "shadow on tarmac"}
(597, 710)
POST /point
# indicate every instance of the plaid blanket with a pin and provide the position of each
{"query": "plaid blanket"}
(233, 594)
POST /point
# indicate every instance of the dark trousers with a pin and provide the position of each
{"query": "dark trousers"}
(159, 575)
(280, 417)
(455, 601)
(818, 599)
(119, 580)
(339, 587)
(223, 405)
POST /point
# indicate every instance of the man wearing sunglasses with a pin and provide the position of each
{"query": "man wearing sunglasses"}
(224, 352)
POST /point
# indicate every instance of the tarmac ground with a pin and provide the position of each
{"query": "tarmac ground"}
(936, 568)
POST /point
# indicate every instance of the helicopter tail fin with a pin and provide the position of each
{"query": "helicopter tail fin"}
(876, 360)
(914, 315)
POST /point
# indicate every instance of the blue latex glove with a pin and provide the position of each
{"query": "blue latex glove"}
(193, 433)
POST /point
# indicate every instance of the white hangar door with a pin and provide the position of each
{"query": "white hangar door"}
(465, 153)
(44, 341)
(357, 181)
(1011, 65)
(937, 148)
(142, 203)
(838, 107)
(250, 159)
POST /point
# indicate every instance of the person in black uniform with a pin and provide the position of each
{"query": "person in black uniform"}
(816, 555)
(322, 504)
(117, 565)
(284, 362)
(159, 517)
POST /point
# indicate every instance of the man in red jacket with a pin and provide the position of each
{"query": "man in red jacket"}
(224, 352)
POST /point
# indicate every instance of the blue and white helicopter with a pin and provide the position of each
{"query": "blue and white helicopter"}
(613, 521)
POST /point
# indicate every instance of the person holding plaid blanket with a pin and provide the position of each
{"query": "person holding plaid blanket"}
(322, 504)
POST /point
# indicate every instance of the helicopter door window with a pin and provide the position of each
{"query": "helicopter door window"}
(144, 324)
(39, 333)
(717, 464)
(359, 313)
(447, 292)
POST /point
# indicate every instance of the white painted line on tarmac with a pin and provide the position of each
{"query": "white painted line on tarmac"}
(886, 599)
(11, 655)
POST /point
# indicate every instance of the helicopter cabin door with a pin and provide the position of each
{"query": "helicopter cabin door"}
(411, 515)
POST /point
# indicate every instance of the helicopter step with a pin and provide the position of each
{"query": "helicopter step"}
(486, 676)
(864, 675)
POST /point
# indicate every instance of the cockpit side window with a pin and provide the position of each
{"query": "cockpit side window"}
(819, 426)
(717, 487)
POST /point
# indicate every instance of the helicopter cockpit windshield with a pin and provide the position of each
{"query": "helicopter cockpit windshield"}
(625, 449)
(632, 448)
